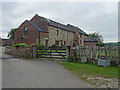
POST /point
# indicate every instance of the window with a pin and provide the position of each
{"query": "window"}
(80, 35)
(80, 41)
(25, 30)
(22, 38)
(56, 42)
(64, 43)
(46, 42)
(57, 32)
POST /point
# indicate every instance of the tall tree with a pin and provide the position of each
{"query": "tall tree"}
(96, 35)
(11, 33)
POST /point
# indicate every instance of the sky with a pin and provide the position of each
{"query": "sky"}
(101, 17)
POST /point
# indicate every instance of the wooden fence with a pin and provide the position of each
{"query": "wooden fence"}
(94, 52)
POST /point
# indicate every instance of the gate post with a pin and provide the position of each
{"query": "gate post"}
(68, 52)
(34, 52)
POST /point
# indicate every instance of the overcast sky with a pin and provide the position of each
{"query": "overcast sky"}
(91, 17)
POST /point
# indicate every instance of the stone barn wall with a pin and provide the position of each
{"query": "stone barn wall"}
(25, 52)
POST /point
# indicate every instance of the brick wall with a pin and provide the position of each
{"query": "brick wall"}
(43, 36)
(32, 37)
(90, 43)
(39, 21)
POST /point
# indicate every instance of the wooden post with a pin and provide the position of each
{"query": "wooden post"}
(50, 52)
(34, 52)
(68, 52)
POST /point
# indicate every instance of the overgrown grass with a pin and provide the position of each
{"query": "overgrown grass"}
(92, 69)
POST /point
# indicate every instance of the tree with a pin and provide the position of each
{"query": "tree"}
(96, 35)
(11, 33)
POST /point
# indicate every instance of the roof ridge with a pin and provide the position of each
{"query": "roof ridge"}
(61, 25)
(50, 19)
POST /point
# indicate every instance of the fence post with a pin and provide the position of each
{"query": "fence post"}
(68, 52)
(50, 52)
(34, 51)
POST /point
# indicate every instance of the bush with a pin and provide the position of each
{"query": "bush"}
(100, 44)
(71, 59)
(20, 44)
(55, 47)
(40, 46)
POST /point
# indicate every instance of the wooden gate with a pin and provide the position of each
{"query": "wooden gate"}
(57, 53)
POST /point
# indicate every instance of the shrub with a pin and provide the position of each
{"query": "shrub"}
(20, 44)
(55, 47)
(100, 44)
(40, 46)
(33, 45)
(71, 59)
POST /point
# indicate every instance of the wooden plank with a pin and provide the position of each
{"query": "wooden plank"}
(52, 57)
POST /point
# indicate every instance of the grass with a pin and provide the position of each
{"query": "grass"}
(92, 69)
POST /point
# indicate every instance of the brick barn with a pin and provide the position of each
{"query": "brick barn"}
(91, 41)
(45, 31)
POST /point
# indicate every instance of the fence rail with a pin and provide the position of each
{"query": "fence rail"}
(49, 52)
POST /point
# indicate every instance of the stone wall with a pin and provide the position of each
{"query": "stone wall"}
(25, 52)
(43, 37)
(62, 36)
(82, 38)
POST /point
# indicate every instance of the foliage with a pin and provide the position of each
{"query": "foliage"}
(55, 47)
(40, 46)
(70, 59)
(11, 33)
(100, 44)
(96, 35)
(91, 69)
(113, 44)
(20, 44)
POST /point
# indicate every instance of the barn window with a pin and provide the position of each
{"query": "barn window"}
(57, 32)
(80, 41)
(56, 42)
(25, 30)
(64, 43)
(46, 42)
(81, 35)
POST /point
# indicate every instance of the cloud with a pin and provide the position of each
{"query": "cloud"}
(89, 16)
(3, 34)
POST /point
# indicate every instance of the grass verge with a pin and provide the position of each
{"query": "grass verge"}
(92, 69)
